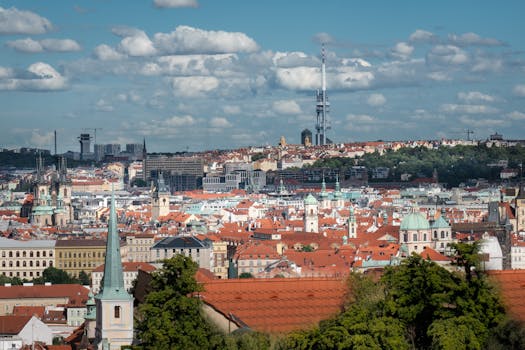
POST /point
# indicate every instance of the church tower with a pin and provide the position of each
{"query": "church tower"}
(311, 220)
(339, 201)
(323, 196)
(160, 199)
(352, 224)
(114, 305)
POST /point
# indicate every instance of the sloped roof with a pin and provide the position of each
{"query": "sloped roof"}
(512, 288)
(76, 293)
(276, 305)
(22, 310)
(11, 325)
(130, 267)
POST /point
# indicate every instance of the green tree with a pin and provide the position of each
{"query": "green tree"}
(56, 276)
(245, 275)
(171, 317)
(84, 279)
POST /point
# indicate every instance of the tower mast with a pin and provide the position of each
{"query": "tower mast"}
(322, 106)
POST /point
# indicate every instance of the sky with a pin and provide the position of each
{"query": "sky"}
(219, 74)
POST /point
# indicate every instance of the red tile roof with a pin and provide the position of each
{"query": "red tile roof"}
(11, 325)
(276, 305)
(76, 293)
(20, 310)
(512, 287)
(130, 266)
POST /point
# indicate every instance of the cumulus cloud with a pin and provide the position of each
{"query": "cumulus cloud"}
(360, 118)
(447, 55)
(323, 38)
(422, 36)
(515, 115)
(38, 77)
(137, 44)
(402, 50)
(103, 106)
(231, 109)
(376, 100)
(196, 86)
(39, 139)
(519, 90)
(294, 59)
(481, 122)
(468, 109)
(439, 76)
(219, 122)
(472, 39)
(286, 107)
(180, 121)
(29, 45)
(106, 53)
(475, 96)
(15, 21)
(187, 39)
(175, 3)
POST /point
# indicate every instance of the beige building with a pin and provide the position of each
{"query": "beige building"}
(129, 269)
(77, 255)
(26, 259)
(138, 247)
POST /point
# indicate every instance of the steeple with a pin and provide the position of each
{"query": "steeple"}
(113, 281)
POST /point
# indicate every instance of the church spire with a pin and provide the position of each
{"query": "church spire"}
(113, 281)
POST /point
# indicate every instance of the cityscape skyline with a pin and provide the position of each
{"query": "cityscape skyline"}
(196, 75)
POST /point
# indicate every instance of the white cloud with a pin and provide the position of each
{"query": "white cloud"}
(5, 72)
(196, 86)
(137, 44)
(481, 122)
(376, 100)
(515, 115)
(29, 45)
(14, 21)
(106, 53)
(323, 38)
(299, 78)
(439, 76)
(182, 121)
(447, 55)
(519, 90)
(422, 36)
(402, 50)
(41, 140)
(103, 106)
(360, 118)
(175, 3)
(219, 122)
(468, 39)
(60, 45)
(286, 107)
(475, 96)
(468, 109)
(39, 77)
(231, 109)
(187, 39)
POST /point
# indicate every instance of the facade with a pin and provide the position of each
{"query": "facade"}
(221, 183)
(24, 330)
(114, 305)
(26, 259)
(306, 137)
(172, 165)
(311, 220)
(198, 251)
(138, 247)
(130, 272)
(51, 198)
(517, 256)
(160, 199)
(77, 255)
(520, 210)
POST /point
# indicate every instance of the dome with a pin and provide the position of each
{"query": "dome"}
(413, 222)
(440, 223)
(310, 200)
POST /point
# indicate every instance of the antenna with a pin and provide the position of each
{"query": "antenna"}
(322, 106)
(469, 132)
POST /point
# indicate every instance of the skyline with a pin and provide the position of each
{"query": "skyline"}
(197, 75)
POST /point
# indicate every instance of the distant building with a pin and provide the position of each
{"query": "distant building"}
(75, 255)
(26, 259)
(306, 137)
(129, 269)
(198, 251)
(172, 165)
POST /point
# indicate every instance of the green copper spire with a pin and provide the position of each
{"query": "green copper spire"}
(113, 280)
(323, 193)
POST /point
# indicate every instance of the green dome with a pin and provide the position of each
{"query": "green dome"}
(413, 222)
(310, 200)
(440, 223)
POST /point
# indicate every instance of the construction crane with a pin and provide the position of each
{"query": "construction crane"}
(94, 133)
(469, 132)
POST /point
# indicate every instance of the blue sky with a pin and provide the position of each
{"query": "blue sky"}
(198, 74)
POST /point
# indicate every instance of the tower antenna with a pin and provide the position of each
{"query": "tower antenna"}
(322, 105)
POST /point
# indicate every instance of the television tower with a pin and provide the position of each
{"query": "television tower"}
(322, 106)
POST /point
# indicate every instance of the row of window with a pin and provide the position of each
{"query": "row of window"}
(25, 254)
(23, 273)
(415, 236)
(73, 255)
(26, 264)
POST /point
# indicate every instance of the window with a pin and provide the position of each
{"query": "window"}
(414, 237)
(117, 311)
(442, 234)
(424, 236)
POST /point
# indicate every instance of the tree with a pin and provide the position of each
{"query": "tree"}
(56, 276)
(245, 275)
(171, 317)
(84, 279)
